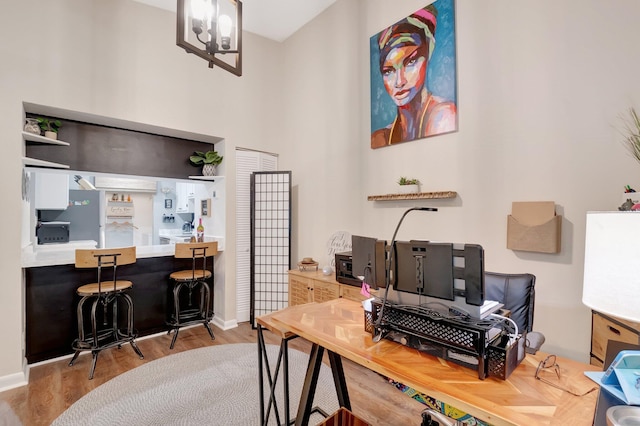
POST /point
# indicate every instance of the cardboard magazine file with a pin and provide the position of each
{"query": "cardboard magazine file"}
(534, 226)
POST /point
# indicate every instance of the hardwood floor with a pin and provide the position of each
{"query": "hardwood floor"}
(54, 386)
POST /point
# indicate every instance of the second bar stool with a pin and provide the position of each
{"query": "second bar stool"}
(191, 280)
(107, 294)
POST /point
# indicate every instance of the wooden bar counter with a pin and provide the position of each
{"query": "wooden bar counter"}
(338, 326)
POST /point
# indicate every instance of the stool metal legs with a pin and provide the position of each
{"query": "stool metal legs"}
(100, 339)
(183, 317)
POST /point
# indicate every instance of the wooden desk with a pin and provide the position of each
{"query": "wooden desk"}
(338, 326)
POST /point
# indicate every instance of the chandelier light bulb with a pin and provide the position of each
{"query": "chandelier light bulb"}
(199, 9)
(224, 23)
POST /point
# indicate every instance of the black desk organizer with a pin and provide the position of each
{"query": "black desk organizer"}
(464, 341)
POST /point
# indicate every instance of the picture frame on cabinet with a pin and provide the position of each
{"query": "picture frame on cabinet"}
(205, 207)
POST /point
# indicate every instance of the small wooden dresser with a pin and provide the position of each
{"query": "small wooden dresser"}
(314, 286)
(605, 328)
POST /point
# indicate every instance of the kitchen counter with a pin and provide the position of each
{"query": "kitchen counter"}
(64, 253)
(51, 281)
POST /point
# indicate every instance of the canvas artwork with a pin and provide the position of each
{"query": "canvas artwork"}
(413, 77)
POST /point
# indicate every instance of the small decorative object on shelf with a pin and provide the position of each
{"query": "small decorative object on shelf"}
(32, 126)
(49, 126)
(409, 186)
(208, 160)
(308, 264)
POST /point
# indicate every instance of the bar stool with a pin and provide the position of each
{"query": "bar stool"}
(190, 280)
(105, 293)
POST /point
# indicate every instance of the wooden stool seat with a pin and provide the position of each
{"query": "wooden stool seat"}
(95, 289)
(104, 297)
(188, 275)
(192, 280)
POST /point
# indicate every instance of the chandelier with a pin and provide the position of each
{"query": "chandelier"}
(206, 28)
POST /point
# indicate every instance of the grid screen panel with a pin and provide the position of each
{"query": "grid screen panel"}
(270, 241)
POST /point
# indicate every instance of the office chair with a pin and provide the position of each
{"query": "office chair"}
(517, 293)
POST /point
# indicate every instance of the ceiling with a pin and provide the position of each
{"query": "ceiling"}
(273, 19)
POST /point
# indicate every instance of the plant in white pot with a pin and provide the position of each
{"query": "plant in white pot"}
(208, 160)
(49, 126)
(409, 186)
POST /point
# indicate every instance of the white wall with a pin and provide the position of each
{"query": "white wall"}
(118, 59)
(541, 86)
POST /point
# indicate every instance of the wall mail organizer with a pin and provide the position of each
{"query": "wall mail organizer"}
(534, 226)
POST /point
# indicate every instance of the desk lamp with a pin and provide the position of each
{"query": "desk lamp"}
(377, 328)
(612, 266)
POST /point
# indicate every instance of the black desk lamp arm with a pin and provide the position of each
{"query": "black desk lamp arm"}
(387, 279)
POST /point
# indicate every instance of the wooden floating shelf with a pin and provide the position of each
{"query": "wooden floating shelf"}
(413, 196)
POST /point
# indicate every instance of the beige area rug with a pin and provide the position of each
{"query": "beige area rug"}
(216, 385)
(7, 416)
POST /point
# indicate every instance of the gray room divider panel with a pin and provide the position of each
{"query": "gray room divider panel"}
(270, 241)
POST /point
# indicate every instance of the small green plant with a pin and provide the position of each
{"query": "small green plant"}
(49, 125)
(210, 157)
(407, 181)
(632, 134)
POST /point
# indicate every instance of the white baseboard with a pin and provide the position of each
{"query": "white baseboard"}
(224, 325)
(13, 381)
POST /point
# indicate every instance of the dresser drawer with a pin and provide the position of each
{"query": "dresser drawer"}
(605, 329)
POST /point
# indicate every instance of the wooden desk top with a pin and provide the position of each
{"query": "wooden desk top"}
(338, 325)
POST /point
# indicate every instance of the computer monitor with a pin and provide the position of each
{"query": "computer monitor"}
(437, 269)
(424, 268)
(368, 260)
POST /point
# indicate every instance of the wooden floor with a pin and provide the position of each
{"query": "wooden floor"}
(53, 387)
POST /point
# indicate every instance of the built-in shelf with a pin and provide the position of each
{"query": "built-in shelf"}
(27, 161)
(413, 196)
(209, 178)
(30, 137)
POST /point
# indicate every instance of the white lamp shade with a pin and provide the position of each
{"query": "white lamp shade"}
(612, 264)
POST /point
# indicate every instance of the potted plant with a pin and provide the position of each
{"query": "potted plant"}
(208, 160)
(50, 127)
(409, 186)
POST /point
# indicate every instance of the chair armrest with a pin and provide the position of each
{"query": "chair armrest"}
(534, 341)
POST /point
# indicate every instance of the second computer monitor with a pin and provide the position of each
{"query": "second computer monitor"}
(368, 260)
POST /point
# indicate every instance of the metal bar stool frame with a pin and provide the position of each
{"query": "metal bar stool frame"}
(105, 294)
(194, 279)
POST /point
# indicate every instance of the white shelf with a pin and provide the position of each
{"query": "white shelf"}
(41, 139)
(41, 163)
(209, 178)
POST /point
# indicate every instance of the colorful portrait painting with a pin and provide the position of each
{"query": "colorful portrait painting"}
(413, 77)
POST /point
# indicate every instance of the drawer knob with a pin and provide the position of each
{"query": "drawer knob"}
(614, 330)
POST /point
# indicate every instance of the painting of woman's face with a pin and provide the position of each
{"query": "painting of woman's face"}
(404, 70)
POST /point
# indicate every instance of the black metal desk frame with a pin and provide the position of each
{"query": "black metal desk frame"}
(305, 408)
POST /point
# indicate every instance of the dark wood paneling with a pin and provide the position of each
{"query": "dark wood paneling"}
(104, 149)
(51, 301)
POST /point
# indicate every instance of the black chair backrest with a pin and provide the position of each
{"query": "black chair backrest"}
(516, 292)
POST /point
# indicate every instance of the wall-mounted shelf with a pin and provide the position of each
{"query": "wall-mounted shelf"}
(30, 137)
(27, 161)
(413, 196)
(209, 178)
